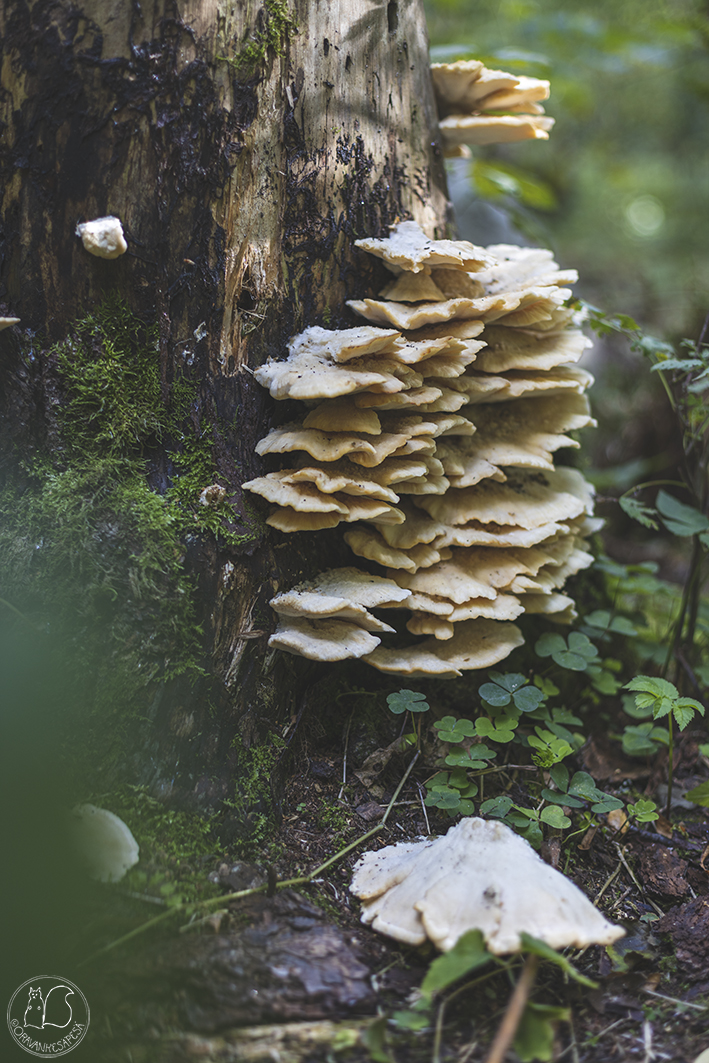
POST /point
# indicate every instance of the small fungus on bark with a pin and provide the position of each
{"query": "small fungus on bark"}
(103, 237)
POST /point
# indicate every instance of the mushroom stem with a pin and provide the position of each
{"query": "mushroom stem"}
(513, 1014)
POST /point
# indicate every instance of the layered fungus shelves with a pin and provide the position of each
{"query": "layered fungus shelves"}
(431, 433)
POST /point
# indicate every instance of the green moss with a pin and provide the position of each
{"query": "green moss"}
(252, 800)
(274, 27)
(88, 550)
(175, 847)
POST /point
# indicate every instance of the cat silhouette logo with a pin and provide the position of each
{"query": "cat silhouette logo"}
(48, 1016)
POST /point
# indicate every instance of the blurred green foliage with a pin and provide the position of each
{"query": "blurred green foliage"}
(621, 189)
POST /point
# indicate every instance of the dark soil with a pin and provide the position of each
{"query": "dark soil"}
(319, 985)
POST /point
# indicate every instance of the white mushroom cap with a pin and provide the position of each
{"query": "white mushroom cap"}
(103, 237)
(498, 129)
(104, 842)
(408, 248)
(475, 644)
(478, 876)
(322, 640)
(6, 322)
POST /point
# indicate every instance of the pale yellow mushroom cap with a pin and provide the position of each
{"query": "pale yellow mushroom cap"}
(478, 876)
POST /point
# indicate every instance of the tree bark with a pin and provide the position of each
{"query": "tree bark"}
(244, 148)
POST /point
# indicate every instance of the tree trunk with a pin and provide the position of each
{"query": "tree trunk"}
(244, 148)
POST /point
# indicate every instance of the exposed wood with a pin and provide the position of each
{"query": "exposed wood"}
(241, 187)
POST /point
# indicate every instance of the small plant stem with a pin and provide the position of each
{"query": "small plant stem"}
(217, 902)
(513, 1014)
(670, 764)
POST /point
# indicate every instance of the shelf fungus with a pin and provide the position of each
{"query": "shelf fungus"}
(103, 237)
(481, 106)
(479, 876)
(432, 432)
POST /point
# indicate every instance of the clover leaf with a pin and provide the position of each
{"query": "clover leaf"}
(407, 701)
(452, 730)
(573, 654)
(511, 687)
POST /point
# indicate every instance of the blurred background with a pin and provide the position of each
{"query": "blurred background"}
(620, 191)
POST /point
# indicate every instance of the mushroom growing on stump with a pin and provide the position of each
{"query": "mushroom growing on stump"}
(478, 876)
(103, 237)
(432, 431)
(103, 842)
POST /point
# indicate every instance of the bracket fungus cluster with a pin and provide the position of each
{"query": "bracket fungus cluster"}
(481, 106)
(430, 432)
(478, 876)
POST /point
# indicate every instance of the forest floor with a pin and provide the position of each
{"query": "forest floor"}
(290, 975)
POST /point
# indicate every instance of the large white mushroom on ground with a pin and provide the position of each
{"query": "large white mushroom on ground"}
(478, 876)
(432, 432)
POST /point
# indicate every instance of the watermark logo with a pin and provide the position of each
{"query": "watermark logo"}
(48, 1016)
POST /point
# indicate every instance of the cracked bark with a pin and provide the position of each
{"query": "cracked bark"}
(241, 193)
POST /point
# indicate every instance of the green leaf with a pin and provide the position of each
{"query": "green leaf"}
(554, 817)
(550, 642)
(407, 701)
(497, 807)
(414, 1021)
(642, 514)
(493, 694)
(500, 730)
(528, 699)
(637, 742)
(699, 795)
(461, 729)
(684, 710)
(494, 178)
(534, 1039)
(467, 954)
(510, 681)
(583, 785)
(678, 518)
(560, 799)
(560, 775)
(643, 811)
(547, 687)
(650, 684)
(442, 798)
(473, 760)
(683, 364)
(546, 952)
(608, 803)
(636, 711)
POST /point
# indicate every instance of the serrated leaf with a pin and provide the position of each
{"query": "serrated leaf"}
(684, 711)
(684, 364)
(407, 701)
(653, 685)
(679, 518)
(642, 514)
